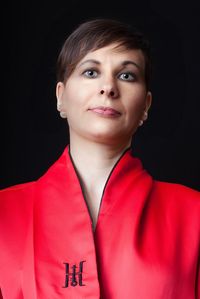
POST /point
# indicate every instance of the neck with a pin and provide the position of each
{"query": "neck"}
(93, 160)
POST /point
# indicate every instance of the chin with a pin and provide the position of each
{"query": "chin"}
(108, 137)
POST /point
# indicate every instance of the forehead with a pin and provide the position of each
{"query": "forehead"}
(115, 53)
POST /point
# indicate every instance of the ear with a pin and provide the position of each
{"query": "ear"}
(148, 101)
(59, 92)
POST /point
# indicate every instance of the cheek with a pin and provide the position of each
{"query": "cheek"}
(76, 95)
(75, 103)
(135, 101)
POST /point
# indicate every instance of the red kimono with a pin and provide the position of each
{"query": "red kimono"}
(146, 243)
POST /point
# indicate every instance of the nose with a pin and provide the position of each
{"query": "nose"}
(110, 89)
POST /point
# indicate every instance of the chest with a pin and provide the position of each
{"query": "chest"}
(93, 201)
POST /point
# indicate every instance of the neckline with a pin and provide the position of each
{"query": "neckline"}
(105, 186)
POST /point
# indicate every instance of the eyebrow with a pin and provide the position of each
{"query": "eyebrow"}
(124, 63)
(90, 60)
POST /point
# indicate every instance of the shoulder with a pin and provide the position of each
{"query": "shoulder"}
(16, 214)
(29, 187)
(17, 189)
(16, 201)
(16, 206)
(174, 190)
(177, 200)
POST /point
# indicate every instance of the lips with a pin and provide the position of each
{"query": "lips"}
(105, 111)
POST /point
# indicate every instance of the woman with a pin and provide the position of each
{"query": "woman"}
(96, 224)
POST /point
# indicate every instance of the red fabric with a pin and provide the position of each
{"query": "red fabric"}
(145, 245)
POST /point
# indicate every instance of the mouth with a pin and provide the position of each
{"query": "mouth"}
(105, 111)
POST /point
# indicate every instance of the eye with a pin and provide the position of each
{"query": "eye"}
(127, 77)
(90, 73)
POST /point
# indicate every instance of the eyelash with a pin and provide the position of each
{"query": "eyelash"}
(130, 74)
(89, 70)
(123, 73)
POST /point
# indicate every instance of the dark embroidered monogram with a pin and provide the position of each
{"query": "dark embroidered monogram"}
(75, 276)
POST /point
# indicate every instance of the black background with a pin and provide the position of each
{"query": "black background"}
(33, 135)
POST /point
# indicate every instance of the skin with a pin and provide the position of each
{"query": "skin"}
(98, 138)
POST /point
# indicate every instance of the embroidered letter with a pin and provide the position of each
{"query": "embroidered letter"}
(74, 277)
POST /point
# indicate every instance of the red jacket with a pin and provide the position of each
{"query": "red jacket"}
(145, 245)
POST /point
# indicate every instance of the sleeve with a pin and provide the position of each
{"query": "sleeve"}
(198, 280)
(15, 215)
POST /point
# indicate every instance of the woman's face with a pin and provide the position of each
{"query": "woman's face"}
(105, 97)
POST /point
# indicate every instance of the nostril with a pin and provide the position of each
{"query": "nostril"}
(102, 91)
(112, 93)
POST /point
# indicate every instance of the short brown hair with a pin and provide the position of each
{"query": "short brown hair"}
(98, 33)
